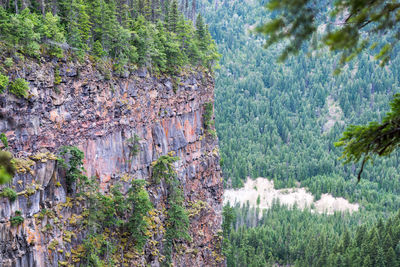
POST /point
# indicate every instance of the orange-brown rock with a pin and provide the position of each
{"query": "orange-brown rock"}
(99, 116)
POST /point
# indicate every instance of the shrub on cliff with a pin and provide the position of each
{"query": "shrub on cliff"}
(177, 217)
(163, 168)
(139, 199)
(52, 35)
(208, 119)
(9, 193)
(4, 140)
(7, 168)
(17, 219)
(73, 165)
(3, 83)
(207, 116)
(19, 87)
(114, 216)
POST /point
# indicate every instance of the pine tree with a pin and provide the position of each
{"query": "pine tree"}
(147, 10)
(51, 30)
(367, 262)
(173, 16)
(97, 7)
(200, 29)
(166, 11)
(194, 10)
(79, 27)
(159, 57)
(108, 25)
(156, 10)
(391, 258)
(380, 259)
(186, 8)
(372, 246)
(360, 236)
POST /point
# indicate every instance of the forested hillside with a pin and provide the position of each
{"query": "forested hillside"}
(280, 121)
(303, 238)
(277, 120)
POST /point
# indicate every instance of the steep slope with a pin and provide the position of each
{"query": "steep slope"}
(72, 104)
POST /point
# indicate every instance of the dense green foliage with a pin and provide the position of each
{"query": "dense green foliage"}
(271, 117)
(111, 217)
(17, 219)
(177, 220)
(19, 87)
(346, 21)
(290, 236)
(4, 140)
(3, 83)
(147, 33)
(73, 165)
(7, 168)
(177, 223)
(375, 138)
(163, 169)
(297, 21)
(9, 193)
(139, 199)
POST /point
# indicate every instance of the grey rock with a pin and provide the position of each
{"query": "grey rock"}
(132, 90)
(142, 73)
(69, 71)
(168, 85)
(159, 138)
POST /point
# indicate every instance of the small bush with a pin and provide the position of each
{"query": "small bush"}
(208, 114)
(4, 140)
(73, 166)
(163, 168)
(134, 145)
(98, 50)
(3, 83)
(57, 77)
(208, 119)
(7, 168)
(19, 87)
(17, 219)
(9, 193)
(8, 62)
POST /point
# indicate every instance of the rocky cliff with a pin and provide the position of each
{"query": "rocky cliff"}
(74, 104)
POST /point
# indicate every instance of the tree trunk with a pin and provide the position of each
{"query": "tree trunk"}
(54, 7)
(194, 11)
(42, 7)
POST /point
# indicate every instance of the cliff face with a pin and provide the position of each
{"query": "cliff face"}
(79, 107)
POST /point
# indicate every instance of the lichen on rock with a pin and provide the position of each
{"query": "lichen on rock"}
(107, 119)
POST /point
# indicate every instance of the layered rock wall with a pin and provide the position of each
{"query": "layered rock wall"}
(100, 116)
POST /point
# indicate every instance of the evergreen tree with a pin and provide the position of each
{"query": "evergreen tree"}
(381, 259)
(173, 16)
(391, 258)
(156, 10)
(111, 30)
(367, 261)
(200, 32)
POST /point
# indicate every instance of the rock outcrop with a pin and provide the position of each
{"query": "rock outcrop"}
(72, 104)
